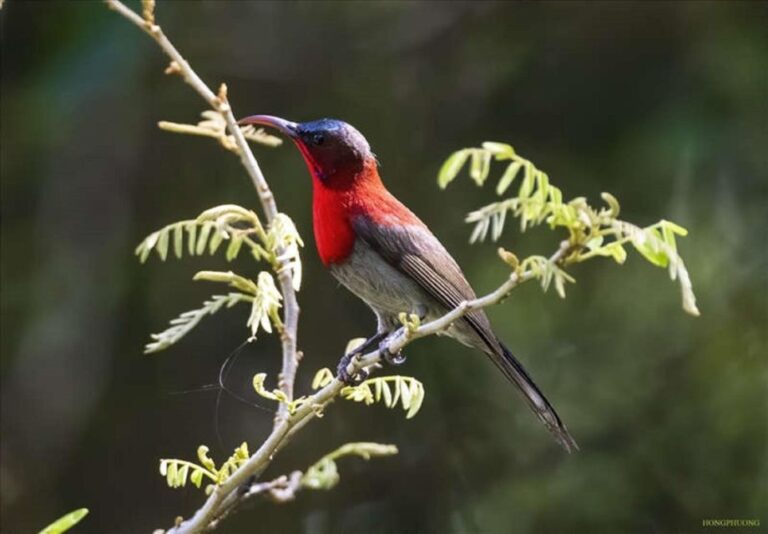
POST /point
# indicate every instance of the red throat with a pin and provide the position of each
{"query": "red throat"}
(334, 209)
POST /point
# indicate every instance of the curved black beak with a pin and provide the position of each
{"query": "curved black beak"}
(291, 129)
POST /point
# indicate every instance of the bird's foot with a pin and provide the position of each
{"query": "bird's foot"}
(391, 358)
(246, 486)
(342, 371)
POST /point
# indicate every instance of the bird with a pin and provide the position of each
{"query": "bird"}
(385, 255)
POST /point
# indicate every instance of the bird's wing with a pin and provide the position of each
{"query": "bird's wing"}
(416, 252)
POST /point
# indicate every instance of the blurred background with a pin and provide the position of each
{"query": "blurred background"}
(664, 105)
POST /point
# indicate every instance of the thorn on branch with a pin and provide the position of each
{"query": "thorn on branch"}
(173, 68)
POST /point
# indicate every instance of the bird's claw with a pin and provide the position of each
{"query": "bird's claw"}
(343, 374)
(246, 486)
(397, 358)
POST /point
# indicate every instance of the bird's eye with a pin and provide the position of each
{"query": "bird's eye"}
(318, 139)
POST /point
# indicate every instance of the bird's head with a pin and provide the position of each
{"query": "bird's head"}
(335, 152)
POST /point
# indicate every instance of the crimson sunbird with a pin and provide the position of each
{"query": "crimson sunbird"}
(379, 250)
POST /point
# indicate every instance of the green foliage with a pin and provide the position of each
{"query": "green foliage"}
(322, 378)
(204, 235)
(284, 237)
(389, 390)
(324, 474)
(185, 322)
(178, 472)
(592, 232)
(263, 294)
(410, 321)
(65, 522)
(546, 271)
(276, 394)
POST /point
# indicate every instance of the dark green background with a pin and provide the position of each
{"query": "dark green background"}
(664, 105)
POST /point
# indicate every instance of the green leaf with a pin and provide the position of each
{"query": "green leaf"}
(234, 247)
(202, 239)
(497, 223)
(481, 230)
(555, 196)
(646, 244)
(669, 237)
(499, 150)
(322, 378)
(508, 177)
(65, 522)
(405, 395)
(451, 168)
(560, 285)
(480, 166)
(617, 252)
(143, 251)
(689, 299)
(192, 229)
(162, 245)
(417, 398)
(529, 180)
(675, 228)
(181, 475)
(386, 393)
(218, 237)
(178, 240)
(613, 205)
(148, 244)
(196, 477)
(594, 243)
(170, 474)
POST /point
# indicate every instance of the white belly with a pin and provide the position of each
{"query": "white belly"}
(387, 291)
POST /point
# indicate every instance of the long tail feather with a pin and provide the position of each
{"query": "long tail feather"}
(516, 373)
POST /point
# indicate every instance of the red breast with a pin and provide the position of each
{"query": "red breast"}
(333, 209)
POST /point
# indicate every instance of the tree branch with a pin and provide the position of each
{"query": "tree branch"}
(226, 496)
(220, 103)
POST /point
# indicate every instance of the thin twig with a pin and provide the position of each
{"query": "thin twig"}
(280, 490)
(220, 103)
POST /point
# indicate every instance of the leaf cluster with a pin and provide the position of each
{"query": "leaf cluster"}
(591, 231)
(276, 395)
(324, 474)
(389, 390)
(178, 472)
(238, 228)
